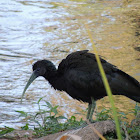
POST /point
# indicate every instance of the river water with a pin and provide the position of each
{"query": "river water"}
(32, 29)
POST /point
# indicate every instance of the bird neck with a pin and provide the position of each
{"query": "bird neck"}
(56, 80)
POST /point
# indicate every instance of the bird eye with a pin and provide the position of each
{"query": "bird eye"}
(38, 69)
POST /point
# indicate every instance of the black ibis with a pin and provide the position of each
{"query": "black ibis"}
(79, 76)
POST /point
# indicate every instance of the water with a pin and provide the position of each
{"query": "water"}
(33, 30)
(21, 41)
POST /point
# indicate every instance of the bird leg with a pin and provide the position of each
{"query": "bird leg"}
(91, 108)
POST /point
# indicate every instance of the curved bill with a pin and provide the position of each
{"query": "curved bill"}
(32, 78)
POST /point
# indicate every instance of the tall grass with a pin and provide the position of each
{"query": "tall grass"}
(106, 84)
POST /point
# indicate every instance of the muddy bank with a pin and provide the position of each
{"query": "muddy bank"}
(89, 132)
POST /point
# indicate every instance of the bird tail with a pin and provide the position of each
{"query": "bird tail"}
(133, 88)
(127, 86)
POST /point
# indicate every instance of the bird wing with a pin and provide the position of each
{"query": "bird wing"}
(79, 59)
(80, 70)
(87, 75)
(83, 79)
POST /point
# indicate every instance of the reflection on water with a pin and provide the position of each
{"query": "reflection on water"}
(32, 30)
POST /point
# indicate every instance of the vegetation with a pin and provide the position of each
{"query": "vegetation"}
(49, 121)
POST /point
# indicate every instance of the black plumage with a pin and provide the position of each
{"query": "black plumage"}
(79, 76)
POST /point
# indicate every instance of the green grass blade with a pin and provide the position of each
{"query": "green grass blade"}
(106, 84)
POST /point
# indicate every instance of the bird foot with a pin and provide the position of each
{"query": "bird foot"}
(90, 121)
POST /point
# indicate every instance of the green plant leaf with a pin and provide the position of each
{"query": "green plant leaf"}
(6, 130)
(22, 113)
(49, 105)
(26, 127)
